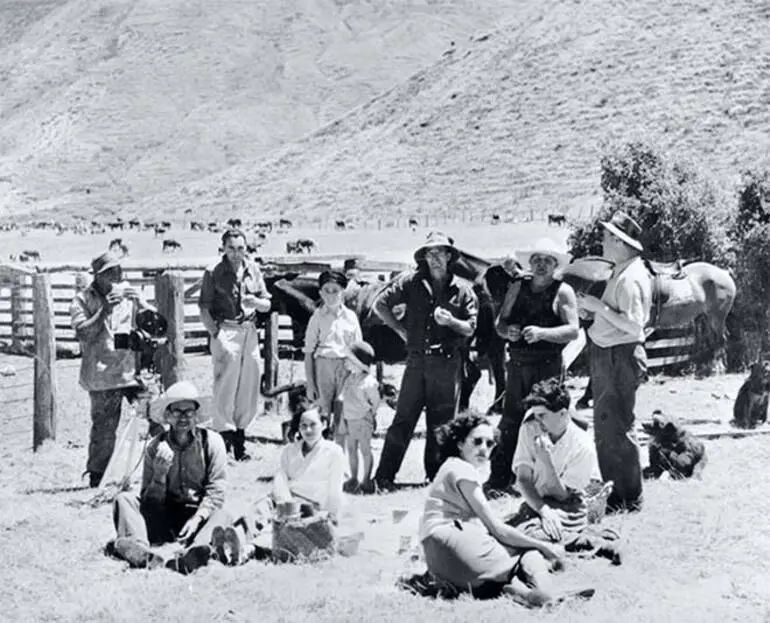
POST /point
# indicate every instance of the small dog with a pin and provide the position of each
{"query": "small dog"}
(672, 449)
(750, 409)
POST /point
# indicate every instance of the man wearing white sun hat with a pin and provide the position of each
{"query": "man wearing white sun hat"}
(537, 318)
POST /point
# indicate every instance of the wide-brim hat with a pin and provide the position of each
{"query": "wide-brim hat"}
(103, 262)
(437, 239)
(625, 228)
(544, 246)
(179, 391)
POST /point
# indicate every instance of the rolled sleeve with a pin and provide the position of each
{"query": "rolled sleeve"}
(393, 293)
(523, 455)
(79, 317)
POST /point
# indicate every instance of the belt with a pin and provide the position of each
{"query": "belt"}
(236, 323)
(437, 350)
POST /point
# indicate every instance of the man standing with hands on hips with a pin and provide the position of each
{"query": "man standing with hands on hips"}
(618, 359)
(232, 293)
(441, 312)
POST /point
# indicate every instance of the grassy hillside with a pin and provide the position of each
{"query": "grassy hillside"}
(104, 102)
(520, 119)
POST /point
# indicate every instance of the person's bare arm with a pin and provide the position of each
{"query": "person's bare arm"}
(566, 305)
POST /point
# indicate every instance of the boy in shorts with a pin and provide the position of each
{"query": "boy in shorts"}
(360, 399)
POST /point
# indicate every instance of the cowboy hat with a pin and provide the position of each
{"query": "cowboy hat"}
(625, 228)
(437, 239)
(179, 391)
(103, 262)
(544, 246)
(362, 353)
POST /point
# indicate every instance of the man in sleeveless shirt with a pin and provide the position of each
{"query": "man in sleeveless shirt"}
(537, 319)
(618, 359)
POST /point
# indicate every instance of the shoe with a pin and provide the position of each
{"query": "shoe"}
(367, 487)
(383, 485)
(190, 560)
(618, 505)
(239, 446)
(351, 486)
(136, 554)
(218, 545)
(94, 480)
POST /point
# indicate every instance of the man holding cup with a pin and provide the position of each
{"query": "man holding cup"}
(538, 318)
(232, 293)
(106, 307)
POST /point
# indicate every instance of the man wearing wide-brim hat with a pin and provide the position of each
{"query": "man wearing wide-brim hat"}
(537, 319)
(441, 312)
(105, 307)
(183, 487)
(618, 359)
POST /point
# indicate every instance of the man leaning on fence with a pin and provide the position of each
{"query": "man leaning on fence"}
(106, 307)
(232, 293)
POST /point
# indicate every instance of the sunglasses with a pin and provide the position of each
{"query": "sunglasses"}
(181, 412)
(478, 441)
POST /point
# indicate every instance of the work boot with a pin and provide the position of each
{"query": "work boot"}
(228, 436)
(190, 560)
(136, 554)
(239, 446)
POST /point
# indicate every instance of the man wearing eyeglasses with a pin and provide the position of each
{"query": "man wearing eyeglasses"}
(441, 313)
(232, 293)
(183, 488)
(538, 318)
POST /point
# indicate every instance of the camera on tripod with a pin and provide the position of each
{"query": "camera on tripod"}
(149, 334)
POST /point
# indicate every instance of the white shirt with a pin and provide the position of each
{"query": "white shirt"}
(317, 476)
(574, 458)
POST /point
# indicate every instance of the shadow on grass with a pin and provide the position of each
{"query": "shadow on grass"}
(274, 441)
(55, 490)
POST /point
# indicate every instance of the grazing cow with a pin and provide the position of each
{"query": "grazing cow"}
(118, 248)
(262, 236)
(170, 245)
(292, 246)
(339, 225)
(306, 245)
(135, 223)
(235, 223)
(495, 219)
(117, 224)
(557, 219)
(284, 223)
(413, 223)
(265, 226)
(196, 226)
(214, 227)
(166, 225)
(30, 255)
(159, 231)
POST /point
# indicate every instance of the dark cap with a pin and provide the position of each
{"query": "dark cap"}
(334, 276)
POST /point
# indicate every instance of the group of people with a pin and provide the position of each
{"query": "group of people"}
(537, 445)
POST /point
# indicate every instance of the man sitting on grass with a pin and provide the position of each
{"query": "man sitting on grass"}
(555, 460)
(183, 490)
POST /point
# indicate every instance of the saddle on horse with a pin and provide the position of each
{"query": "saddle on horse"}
(672, 270)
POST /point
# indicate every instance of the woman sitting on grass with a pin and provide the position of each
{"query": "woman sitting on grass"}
(312, 469)
(465, 544)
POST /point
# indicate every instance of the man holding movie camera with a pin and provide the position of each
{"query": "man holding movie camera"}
(108, 372)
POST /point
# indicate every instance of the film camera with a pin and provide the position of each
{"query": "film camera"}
(149, 334)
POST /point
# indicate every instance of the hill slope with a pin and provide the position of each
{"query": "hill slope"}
(103, 102)
(521, 118)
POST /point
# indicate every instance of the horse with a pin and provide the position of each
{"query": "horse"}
(683, 294)
(297, 296)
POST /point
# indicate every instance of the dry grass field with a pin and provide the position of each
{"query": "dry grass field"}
(699, 551)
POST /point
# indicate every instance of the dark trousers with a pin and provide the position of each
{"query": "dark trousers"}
(522, 376)
(432, 382)
(105, 417)
(616, 372)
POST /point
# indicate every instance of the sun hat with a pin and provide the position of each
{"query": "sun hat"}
(544, 246)
(437, 239)
(103, 262)
(625, 228)
(362, 353)
(334, 276)
(179, 391)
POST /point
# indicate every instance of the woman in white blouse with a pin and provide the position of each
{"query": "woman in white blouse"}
(312, 469)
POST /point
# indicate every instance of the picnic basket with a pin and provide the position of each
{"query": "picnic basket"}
(303, 538)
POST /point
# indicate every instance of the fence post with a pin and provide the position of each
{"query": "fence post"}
(18, 328)
(169, 298)
(271, 357)
(44, 424)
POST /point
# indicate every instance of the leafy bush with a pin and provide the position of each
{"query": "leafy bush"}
(682, 215)
(753, 204)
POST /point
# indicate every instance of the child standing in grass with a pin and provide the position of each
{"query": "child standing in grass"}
(360, 399)
(332, 329)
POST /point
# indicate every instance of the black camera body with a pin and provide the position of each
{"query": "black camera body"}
(149, 334)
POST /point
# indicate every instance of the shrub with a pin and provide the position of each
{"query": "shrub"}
(682, 215)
